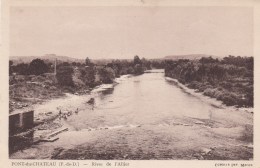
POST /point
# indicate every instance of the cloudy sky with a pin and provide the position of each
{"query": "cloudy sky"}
(122, 32)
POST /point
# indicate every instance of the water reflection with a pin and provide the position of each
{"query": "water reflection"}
(107, 91)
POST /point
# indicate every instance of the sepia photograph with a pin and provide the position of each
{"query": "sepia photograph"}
(131, 83)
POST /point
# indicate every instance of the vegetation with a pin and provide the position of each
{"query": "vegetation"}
(87, 75)
(37, 79)
(21, 69)
(64, 75)
(37, 67)
(107, 75)
(229, 80)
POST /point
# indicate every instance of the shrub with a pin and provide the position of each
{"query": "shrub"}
(107, 75)
(138, 69)
(38, 67)
(21, 69)
(64, 76)
(130, 70)
(229, 99)
(88, 76)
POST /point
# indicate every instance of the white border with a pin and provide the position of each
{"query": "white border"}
(5, 162)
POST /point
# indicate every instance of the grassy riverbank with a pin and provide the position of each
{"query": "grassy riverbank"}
(229, 80)
(24, 91)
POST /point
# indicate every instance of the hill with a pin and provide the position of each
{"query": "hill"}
(51, 58)
(47, 58)
(190, 56)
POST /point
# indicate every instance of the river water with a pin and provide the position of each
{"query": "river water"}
(149, 117)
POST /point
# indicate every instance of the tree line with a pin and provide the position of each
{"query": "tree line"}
(90, 73)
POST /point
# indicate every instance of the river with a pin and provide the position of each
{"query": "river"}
(150, 117)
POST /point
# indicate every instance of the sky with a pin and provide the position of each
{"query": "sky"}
(123, 32)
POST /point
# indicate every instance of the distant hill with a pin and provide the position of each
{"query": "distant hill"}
(47, 58)
(190, 56)
(51, 58)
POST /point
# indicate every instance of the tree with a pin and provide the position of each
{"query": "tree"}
(107, 75)
(88, 76)
(146, 64)
(21, 69)
(38, 67)
(11, 63)
(64, 76)
(74, 63)
(137, 60)
(206, 60)
(88, 62)
(65, 64)
(130, 70)
(138, 69)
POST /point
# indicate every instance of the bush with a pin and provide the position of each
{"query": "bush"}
(226, 85)
(107, 75)
(21, 69)
(38, 67)
(229, 99)
(130, 70)
(138, 69)
(64, 76)
(88, 76)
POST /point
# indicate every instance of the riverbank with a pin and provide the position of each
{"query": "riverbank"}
(26, 91)
(230, 80)
(50, 115)
(207, 98)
